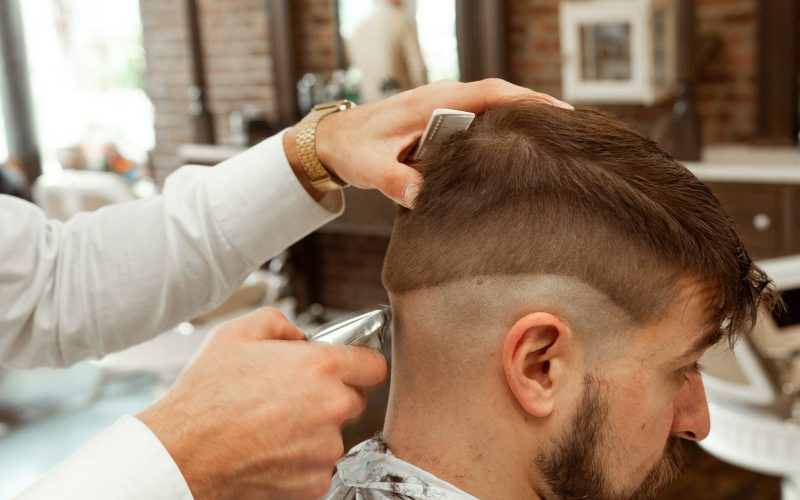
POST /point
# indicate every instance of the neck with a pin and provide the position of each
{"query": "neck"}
(452, 439)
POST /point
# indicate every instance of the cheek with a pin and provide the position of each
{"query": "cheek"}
(642, 422)
(645, 412)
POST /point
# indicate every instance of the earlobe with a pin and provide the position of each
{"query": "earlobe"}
(533, 347)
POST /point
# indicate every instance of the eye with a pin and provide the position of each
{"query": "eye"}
(692, 369)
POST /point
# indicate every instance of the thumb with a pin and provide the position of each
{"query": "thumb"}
(401, 184)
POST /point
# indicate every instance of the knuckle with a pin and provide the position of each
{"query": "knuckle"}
(361, 403)
(493, 84)
(270, 314)
(224, 330)
(325, 363)
(336, 448)
(340, 408)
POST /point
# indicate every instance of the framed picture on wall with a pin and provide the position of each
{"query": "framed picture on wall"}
(618, 51)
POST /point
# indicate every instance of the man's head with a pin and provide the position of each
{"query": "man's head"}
(553, 288)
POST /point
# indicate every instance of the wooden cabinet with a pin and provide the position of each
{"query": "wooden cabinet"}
(766, 215)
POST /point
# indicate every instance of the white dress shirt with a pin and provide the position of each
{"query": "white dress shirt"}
(113, 278)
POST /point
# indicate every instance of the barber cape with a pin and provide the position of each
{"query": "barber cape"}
(371, 472)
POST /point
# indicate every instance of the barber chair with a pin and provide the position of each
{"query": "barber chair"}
(754, 393)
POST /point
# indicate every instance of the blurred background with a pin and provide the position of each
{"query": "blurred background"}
(100, 101)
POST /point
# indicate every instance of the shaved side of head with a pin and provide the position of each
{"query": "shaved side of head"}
(457, 325)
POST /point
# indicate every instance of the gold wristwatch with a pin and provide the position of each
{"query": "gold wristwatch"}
(321, 178)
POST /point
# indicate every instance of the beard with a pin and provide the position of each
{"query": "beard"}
(575, 468)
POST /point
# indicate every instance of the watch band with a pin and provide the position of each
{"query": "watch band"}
(321, 178)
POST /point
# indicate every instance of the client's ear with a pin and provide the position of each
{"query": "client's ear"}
(534, 354)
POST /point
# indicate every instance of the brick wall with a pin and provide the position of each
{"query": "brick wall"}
(727, 88)
(314, 36)
(237, 59)
(726, 93)
(238, 64)
(166, 44)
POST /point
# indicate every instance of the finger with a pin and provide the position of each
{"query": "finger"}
(266, 323)
(477, 96)
(499, 91)
(401, 184)
(359, 366)
(357, 403)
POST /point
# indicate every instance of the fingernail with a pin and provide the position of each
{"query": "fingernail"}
(410, 195)
(561, 104)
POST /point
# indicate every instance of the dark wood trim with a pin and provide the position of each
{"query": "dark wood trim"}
(481, 34)
(283, 57)
(202, 118)
(468, 47)
(686, 124)
(779, 71)
(493, 34)
(15, 90)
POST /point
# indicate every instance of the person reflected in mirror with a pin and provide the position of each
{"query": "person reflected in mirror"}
(385, 48)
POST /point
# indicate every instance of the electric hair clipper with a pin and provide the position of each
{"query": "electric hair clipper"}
(367, 328)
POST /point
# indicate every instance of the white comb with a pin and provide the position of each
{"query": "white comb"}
(444, 124)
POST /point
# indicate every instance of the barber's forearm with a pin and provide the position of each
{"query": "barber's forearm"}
(121, 275)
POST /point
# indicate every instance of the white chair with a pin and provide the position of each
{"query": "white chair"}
(751, 396)
(63, 194)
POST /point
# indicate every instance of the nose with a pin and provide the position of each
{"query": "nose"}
(690, 418)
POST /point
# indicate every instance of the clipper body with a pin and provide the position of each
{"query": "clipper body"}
(368, 328)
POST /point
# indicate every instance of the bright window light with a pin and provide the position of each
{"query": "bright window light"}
(436, 29)
(86, 64)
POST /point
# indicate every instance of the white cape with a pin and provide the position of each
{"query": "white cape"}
(371, 472)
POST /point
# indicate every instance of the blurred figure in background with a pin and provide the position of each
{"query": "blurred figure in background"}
(385, 48)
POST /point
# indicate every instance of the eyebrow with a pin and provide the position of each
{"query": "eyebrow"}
(710, 338)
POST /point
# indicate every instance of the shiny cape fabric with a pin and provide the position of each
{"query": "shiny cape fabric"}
(371, 472)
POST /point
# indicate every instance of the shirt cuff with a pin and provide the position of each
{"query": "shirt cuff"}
(258, 200)
(127, 461)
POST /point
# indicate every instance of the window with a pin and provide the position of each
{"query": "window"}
(436, 25)
(86, 63)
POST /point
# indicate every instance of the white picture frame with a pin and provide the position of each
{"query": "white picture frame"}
(647, 25)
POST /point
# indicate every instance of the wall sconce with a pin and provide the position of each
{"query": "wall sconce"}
(618, 51)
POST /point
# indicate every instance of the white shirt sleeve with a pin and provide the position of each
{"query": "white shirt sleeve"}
(127, 461)
(118, 276)
(113, 278)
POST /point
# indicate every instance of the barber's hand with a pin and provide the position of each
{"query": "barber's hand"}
(362, 145)
(258, 411)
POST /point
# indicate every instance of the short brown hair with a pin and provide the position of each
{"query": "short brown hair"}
(534, 189)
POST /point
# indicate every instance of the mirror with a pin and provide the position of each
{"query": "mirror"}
(394, 45)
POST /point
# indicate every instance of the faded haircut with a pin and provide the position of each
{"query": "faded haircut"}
(533, 189)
